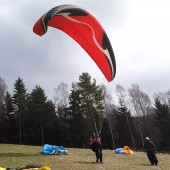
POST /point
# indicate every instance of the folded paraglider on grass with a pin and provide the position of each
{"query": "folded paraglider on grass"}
(124, 150)
(54, 150)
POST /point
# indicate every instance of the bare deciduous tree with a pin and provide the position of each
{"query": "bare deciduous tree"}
(164, 98)
(122, 94)
(109, 107)
(61, 97)
(141, 104)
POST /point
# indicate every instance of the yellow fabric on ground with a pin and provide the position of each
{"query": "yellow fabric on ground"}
(2, 168)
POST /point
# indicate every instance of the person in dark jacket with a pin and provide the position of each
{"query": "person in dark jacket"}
(150, 149)
(96, 147)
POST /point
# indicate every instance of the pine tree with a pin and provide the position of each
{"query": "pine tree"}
(92, 102)
(76, 120)
(124, 126)
(40, 112)
(9, 119)
(162, 122)
(20, 100)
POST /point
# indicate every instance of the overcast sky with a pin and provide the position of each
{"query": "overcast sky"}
(139, 31)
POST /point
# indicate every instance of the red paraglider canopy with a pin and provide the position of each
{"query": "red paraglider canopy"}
(85, 30)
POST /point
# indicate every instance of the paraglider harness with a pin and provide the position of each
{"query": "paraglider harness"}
(95, 142)
(93, 145)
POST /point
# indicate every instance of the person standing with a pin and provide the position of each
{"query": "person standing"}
(96, 146)
(150, 149)
(98, 149)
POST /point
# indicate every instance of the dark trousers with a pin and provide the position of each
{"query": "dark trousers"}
(152, 157)
(98, 155)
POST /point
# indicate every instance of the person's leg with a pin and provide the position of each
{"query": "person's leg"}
(155, 159)
(97, 155)
(101, 159)
(150, 158)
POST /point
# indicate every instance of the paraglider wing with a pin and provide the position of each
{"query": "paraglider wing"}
(85, 30)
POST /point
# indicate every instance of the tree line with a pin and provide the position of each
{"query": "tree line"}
(74, 115)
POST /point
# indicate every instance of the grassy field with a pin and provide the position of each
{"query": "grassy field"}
(78, 159)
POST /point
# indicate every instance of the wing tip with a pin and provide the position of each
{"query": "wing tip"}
(38, 29)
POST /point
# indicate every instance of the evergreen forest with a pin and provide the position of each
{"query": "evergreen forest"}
(73, 115)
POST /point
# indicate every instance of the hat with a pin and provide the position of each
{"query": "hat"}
(147, 138)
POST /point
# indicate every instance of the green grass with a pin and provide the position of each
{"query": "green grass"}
(78, 159)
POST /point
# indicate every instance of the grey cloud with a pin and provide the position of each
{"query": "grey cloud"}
(55, 57)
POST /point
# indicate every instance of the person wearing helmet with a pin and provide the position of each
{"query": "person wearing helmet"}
(150, 149)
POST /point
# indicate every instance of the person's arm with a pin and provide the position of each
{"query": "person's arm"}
(154, 148)
(91, 141)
